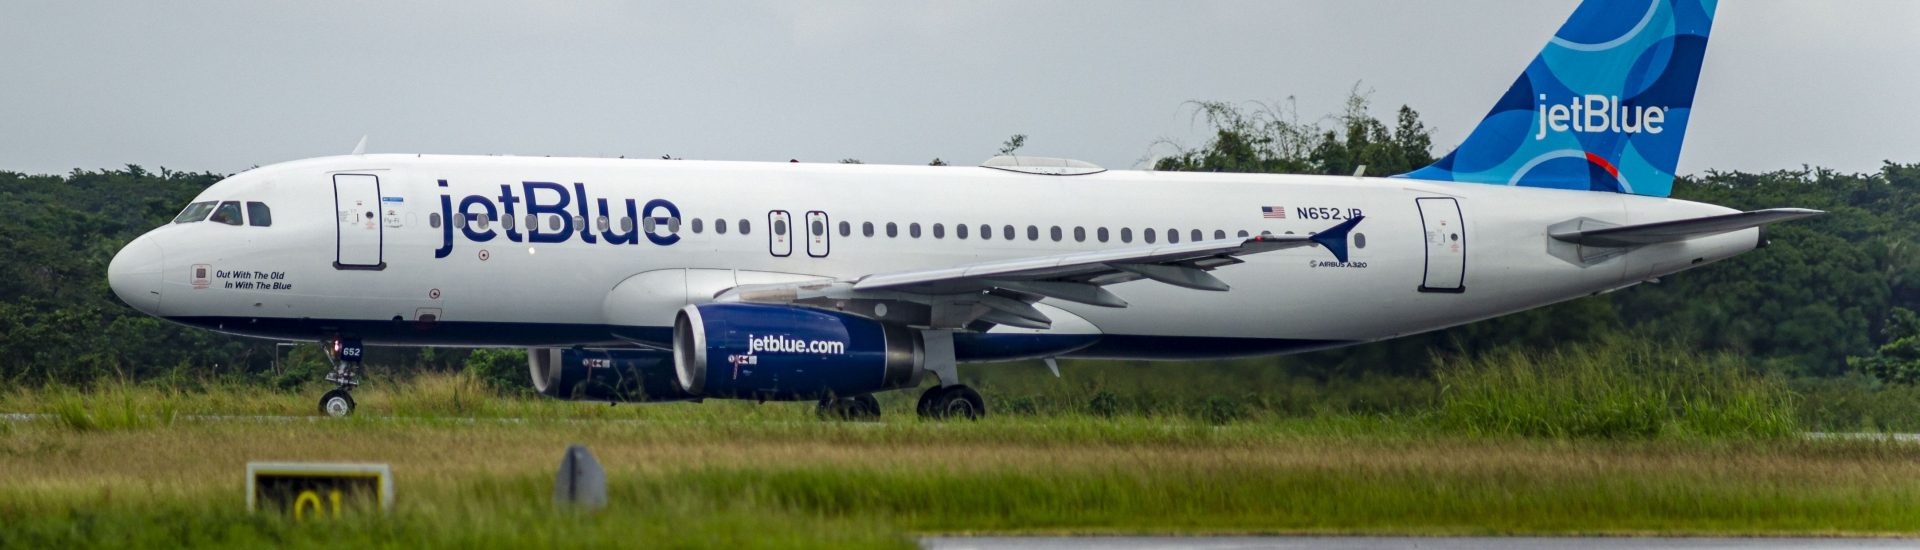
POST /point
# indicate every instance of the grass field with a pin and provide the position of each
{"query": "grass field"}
(136, 466)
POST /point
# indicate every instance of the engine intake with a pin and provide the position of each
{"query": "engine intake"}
(775, 352)
(624, 376)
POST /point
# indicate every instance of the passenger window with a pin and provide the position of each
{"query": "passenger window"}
(780, 227)
(1243, 233)
(1101, 234)
(1007, 232)
(603, 223)
(258, 215)
(1199, 235)
(913, 230)
(745, 228)
(228, 213)
(1147, 235)
(459, 221)
(697, 226)
(819, 227)
(720, 226)
(1055, 233)
(533, 223)
(482, 218)
(553, 223)
(194, 212)
(434, 220)
(580, 223)
(986, 232)
(1033, 233)
(960, 231)
(892, 230)
(626, 225)
(1219, 234)
(866, 229)
(939, 231)
(646, 224)
(1173, 235)
(507, 223)
(846, 229)
(1079, 234)
(1126, 234)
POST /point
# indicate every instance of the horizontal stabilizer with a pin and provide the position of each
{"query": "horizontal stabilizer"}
(1680, 230)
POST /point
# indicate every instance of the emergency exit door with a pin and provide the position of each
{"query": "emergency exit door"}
(359, 236)
(780, 239)
(819, 237)
(1446, 245)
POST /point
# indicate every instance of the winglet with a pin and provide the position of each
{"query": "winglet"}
(1335, 238)
(361, 148)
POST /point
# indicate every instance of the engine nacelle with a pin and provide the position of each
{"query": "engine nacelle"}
(625, 376)
(774, 352)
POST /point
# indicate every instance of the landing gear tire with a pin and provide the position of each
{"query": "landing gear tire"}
(957, 402)
(336, 403)
(858, 407)
(926, 401)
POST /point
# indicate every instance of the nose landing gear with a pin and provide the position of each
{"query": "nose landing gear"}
(345, 354)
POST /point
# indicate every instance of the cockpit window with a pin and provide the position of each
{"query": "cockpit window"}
(194, 212)
(258, 215)
(228, 213)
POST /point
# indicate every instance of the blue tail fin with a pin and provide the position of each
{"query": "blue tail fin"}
(1604, 107)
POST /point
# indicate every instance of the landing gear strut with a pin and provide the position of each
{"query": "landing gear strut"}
(345, 354)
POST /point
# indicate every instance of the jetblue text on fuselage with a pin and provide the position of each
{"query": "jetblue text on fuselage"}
(551, 211)
(1595, 113)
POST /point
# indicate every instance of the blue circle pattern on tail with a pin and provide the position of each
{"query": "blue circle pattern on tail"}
(1604, 107)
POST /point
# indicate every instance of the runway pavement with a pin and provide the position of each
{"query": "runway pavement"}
(1396, 543)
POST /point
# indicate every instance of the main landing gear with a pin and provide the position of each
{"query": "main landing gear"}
(956, 402)
(858, 407)
(345, 354)
(949, 399)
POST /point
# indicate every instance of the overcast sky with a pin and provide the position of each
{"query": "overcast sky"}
(223, 86)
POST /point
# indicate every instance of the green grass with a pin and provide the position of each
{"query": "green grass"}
(700, 479)
(1612, 390)
(1615, 438)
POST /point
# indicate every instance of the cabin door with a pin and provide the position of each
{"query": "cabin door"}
(359, 233)
(1446, 245)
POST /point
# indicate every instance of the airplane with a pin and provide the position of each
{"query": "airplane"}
(682, 280)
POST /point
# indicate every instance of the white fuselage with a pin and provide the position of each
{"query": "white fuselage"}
(434, 284)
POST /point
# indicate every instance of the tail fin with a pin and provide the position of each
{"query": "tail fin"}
(1604, 107)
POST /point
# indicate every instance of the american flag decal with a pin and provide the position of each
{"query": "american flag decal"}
(1273, 212)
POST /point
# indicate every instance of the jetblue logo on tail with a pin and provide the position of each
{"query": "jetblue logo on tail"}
(1603, 107)
(1596, 114)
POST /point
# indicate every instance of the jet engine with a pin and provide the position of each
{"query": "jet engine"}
(621, 376)
(777, 352)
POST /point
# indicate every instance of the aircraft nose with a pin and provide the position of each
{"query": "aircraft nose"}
(134, 274)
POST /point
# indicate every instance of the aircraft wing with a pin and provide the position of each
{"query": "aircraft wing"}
(1002, 291)
(1679, 230)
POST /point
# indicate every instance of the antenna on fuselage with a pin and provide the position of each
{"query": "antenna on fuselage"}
(361, 148)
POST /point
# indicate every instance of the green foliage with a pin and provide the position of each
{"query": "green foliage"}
(1271, 138)
(1615, 389)
(1898, 361)
(503, 370)
(1013, 143)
